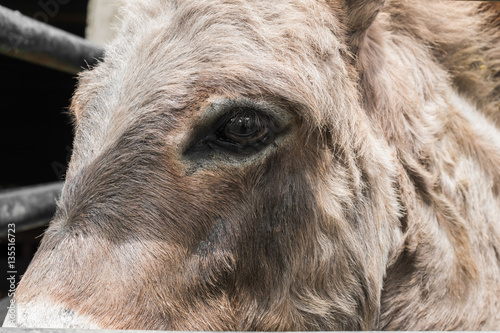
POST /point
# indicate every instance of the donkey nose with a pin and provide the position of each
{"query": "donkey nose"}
(45, 314)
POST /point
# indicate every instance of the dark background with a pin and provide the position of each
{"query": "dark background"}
(35, 131)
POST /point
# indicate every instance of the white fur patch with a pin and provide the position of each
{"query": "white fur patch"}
(481, 126)
(46, 314)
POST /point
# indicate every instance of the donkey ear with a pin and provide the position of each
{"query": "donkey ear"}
(360, 15)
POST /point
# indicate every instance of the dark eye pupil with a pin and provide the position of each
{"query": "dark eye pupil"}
(242, 126)
(246, 129)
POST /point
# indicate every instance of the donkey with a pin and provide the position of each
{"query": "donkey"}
(281, 165)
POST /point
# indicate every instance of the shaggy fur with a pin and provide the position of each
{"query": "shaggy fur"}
(377, 206)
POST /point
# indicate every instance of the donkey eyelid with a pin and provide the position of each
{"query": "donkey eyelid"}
(219, 108)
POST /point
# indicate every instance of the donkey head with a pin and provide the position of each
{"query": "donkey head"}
(224, 176)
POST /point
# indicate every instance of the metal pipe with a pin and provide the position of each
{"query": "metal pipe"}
(28, 207)
(28, 39)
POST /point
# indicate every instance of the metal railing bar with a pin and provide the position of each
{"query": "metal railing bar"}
(28, 207)
(37, 42)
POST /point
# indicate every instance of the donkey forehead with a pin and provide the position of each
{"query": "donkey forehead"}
(260, 18)
(189, 37)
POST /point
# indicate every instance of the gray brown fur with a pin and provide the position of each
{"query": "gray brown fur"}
(378, 208)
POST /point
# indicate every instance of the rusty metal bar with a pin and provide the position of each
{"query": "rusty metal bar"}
(28, 207)
(28, 39)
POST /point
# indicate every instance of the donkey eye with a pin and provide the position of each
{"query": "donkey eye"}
(238, 130)
(246, 128)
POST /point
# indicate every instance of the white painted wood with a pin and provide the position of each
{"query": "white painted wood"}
(103, 19)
